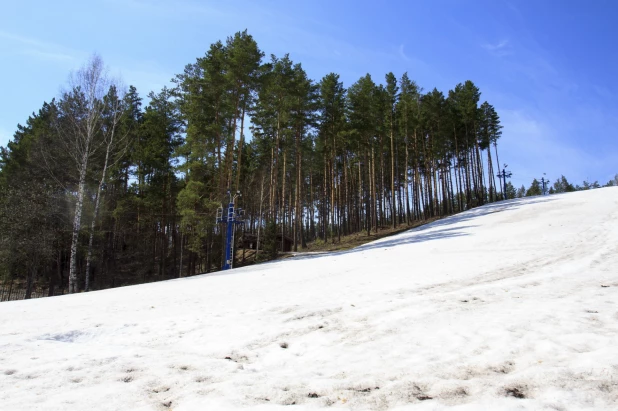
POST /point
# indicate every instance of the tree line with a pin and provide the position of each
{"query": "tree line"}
(99, 189)
(561, 185)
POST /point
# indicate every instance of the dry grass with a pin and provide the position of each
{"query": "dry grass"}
(347, 242)
(357, 239)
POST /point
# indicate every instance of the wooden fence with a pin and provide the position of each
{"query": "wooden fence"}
(14, 292)
(17, 291)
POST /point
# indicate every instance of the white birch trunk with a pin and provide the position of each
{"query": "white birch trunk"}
(97, 201)
(77, 220)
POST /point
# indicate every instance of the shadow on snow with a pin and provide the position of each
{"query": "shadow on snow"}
(417, 235)
(414, 235)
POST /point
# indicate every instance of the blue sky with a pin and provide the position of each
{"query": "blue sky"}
(548, 66)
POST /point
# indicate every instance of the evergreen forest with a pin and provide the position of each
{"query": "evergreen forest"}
(103, 186)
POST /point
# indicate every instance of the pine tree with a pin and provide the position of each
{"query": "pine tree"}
(363, 128)
(511, 192)
(242, 58)
(535, 189)
(32, 204)
(392, 90)
(613, 182)
(331, 117)
(562, 185)
(408, 110)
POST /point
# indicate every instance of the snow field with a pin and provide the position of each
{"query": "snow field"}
(507, 306)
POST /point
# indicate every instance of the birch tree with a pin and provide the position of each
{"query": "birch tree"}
(114, 145)
(79, 124)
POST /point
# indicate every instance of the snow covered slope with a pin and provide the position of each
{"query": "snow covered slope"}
(508, 306)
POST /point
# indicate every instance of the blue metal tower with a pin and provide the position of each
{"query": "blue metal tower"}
(504, 175)
(232, 218)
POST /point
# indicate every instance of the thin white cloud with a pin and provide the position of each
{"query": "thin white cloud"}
(138, 73)
(502, 48)
(497, 46)
(23, 40)
(48, 56)
(41, 50)
(403, 54)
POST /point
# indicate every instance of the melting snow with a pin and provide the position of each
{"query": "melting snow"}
(508, 306)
